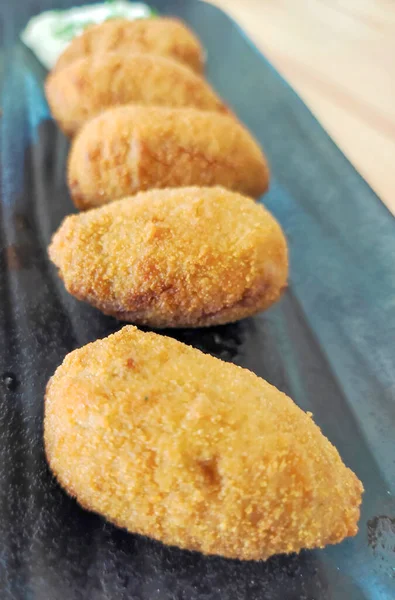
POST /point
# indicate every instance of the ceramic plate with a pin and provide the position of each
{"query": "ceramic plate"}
(329, 343)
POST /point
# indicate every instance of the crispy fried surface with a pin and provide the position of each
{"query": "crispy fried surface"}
(160, 35)
(180, 446)
(185, 257)
(128, 149)
(94, 83)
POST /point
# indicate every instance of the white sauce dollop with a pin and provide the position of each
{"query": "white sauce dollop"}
(50, 32)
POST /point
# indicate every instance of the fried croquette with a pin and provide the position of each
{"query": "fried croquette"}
(182, 447)
(129, 149)
(160, 35)
(91, 84)
(186, 257)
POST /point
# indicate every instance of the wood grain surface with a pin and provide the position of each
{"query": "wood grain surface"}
(339, 55)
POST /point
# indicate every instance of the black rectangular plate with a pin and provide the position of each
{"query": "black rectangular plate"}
(330, 343)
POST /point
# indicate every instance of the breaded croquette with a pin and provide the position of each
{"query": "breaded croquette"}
(91, 84)
(160, 35)
(198, 453)
(130, 149)
(186, 257)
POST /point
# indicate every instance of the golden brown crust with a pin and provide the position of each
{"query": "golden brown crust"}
(94, 83)
(128, 149)
(179, 446)
(160, 35)
(186, 257)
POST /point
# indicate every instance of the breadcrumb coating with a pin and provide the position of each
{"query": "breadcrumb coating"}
(171, 443)
(160, 35)
(94, 83)
(130, 149)
(184, 257)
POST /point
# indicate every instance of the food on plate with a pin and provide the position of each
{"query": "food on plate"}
(159, 35)
(94, 83)
(129, 148)
(198, 453)
(181, 257)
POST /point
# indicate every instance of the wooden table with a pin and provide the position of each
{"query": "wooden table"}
(339, 55)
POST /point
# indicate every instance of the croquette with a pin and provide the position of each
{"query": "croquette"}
(129, 149)
(91, 84)
(183, 257)
(160, 35)
(174, 444)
